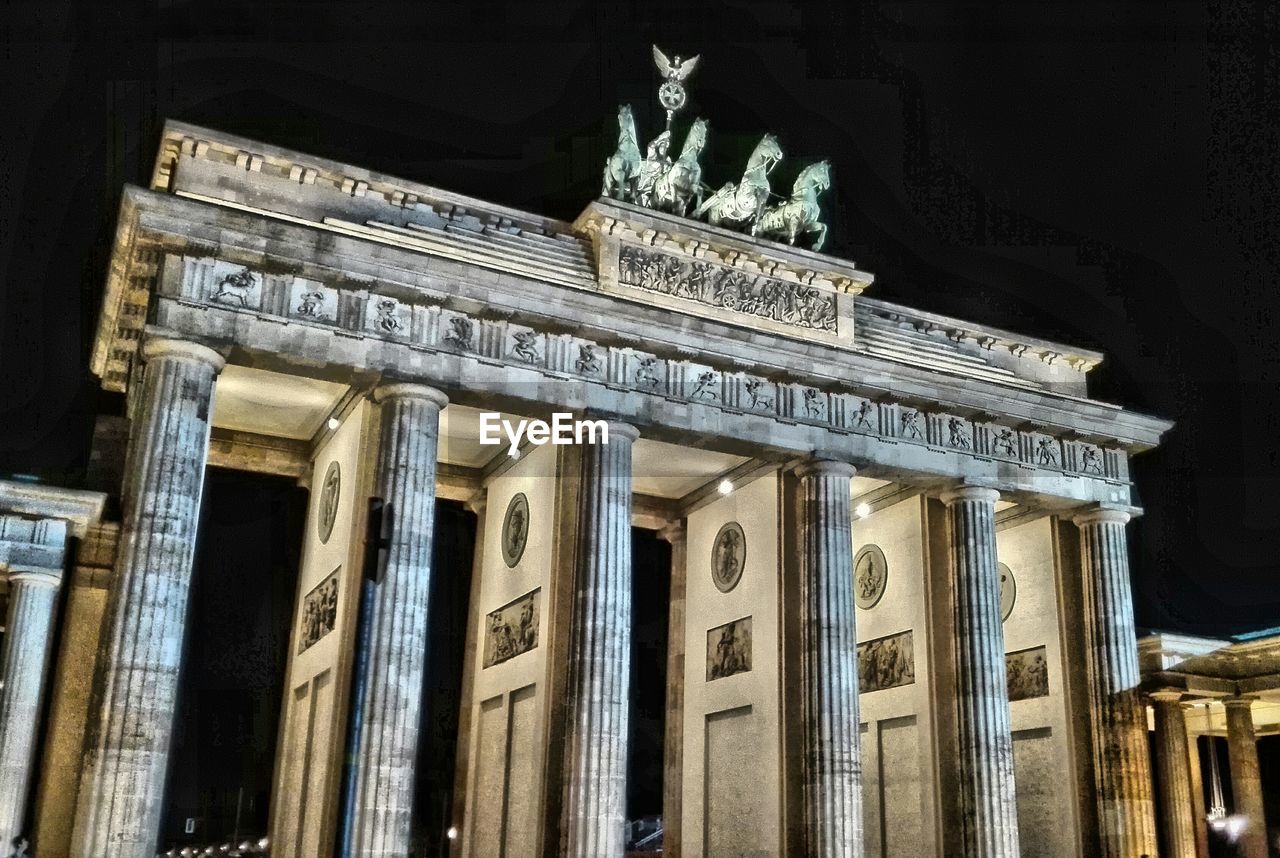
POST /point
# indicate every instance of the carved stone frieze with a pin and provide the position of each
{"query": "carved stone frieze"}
(714, 285)
(367, 313)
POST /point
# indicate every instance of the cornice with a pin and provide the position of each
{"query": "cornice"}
(172, 224)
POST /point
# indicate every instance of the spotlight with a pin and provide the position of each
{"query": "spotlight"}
(334, 423)
(452, 833)
(725, 487)
(862, 510)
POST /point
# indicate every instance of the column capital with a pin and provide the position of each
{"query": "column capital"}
(409, 390)
(1165, 695)
(1239, 701)
(1101, 515)
(161, 347)
(36, 576)
(618, 427)
(823, 466)
(969, 493)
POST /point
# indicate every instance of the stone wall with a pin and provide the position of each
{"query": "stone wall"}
(1047, 812)
(312, 741)
(732, 723)
(506, 754)
(897, 753)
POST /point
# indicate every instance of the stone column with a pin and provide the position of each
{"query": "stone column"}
(1246, 780)
(1173, 770)
(1199, 811)
(829, 671)
(24, 666)
(987, 798)
(673, 742)
(595, 770)
(87, 587)
(386, 711)
(1121, 761)
(127, 747)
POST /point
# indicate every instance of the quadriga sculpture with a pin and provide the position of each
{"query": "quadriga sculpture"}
(681, 184)
(739, 205)
(800, 214)
(622, 168)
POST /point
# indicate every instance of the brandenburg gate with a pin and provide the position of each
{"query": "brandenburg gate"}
(900, 611)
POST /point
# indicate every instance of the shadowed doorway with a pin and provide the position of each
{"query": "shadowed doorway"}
(237, 639)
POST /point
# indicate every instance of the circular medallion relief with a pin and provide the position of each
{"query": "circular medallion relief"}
(728, 556)
(870, 575)
(1008, 592)
(515, 529)
(330, 492)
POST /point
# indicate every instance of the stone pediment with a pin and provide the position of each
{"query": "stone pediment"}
(692, 267)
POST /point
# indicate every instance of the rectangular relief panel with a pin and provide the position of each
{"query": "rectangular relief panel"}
(319, 611)
(733, 810)
(511, 630)
(1027, 673)
(488, 802)
(872, 796)
(901, 788)
(523, 756)
(729, 649)
(1044, 804)
(886, 662)
(319, 738)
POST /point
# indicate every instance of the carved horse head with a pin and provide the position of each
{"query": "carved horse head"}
(766, 154)
(816, 177)
(694, 141)
(626, 127)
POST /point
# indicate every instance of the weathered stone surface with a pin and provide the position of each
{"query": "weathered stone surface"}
(1121, 762)
(988, 798)
(70, 689)
(1246, 778)
(595, 788)
(832, 763)
(24, 664)
(1173, 770)
(673, 740)
(122, 779)
(386, 743)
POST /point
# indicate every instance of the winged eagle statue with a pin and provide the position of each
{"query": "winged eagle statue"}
(674, 71)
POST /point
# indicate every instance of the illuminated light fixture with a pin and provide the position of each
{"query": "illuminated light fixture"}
(452, 833)
(725, 487)
(334, 423)
(862, 510)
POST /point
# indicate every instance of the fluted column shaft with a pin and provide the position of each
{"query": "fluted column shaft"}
(1173, 770)
(832, 762)
(1121, 760)
(135, 690)
(1246, 778)
(24, 667)
(600, 654)
(988, 799)
(673, 740)
(395, 611)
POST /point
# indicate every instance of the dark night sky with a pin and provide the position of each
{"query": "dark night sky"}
(1099, 173)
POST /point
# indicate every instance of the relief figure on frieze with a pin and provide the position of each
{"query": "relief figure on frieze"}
(886, 662)
(511, 630)
(717, 286)
(319, 612)
(729, 649)
(1027, 673)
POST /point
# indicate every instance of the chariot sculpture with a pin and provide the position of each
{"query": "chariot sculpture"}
(658, 182)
